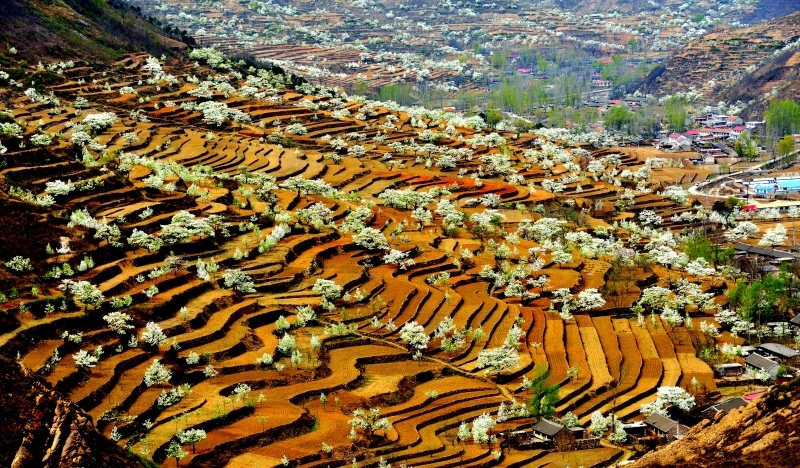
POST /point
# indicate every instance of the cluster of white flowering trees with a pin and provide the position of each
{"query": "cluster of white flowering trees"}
(669, 396)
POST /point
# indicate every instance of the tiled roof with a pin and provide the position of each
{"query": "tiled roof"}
(729, 405)
(546, 427)
(662, 423)
(760, 361)
(779, 350)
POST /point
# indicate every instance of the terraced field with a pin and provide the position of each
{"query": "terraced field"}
(241, 225)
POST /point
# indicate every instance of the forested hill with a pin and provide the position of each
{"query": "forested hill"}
(89, 29)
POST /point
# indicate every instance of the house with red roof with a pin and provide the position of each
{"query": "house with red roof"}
(734, 120)
(721, 133)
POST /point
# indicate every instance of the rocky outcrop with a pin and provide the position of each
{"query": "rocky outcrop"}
(42, 429)
(764, 433)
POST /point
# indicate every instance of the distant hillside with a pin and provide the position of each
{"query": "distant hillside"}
(740, 64)
(771, 9)
(778, 78)
(66, 29)
(764, 10)
(764, 434)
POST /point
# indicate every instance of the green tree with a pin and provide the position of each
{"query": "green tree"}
(544, 396)
(618, 117)
(493, 117)
(746, 147)
(727, 208)
(361, 88)
(763, 299)
(499, 59)
(783, 117)
(785, 145)
(698, 245)
(675, 111)
(397, 92)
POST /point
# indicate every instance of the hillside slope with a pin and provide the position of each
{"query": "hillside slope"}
(762, 434)
(43, 429)
(740, 64)
(67, 29)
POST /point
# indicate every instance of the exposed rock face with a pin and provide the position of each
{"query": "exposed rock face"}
(766, 433)
(42, 429)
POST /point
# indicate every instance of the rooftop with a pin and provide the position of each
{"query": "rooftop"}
(546, 427)
(729, 405)
(760, 361)
(779, 349)
(662, 423)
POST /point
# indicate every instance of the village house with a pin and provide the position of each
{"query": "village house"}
(756, 362)
(665, 427)
(777, 352)
(561, 437)
(795, 321)
(748, 250)
(724, 407)
(721, 133)
(736, 132)
(733, 369)
(734, 121)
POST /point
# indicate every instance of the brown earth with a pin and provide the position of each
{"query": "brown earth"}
(762, 434)
(43, 429)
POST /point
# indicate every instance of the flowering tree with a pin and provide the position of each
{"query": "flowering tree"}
(669, 396)
(677, 194)
(238, 280)
(371, 239)
(396, 257)
(85, 292)
(191, 437)
(118, 322)
(413, 334)
(84, 359)
(153, 334)
(743, 230)
(156, 374)
(498, 359)
(561, 257)
(327, 289)
(481, 427)
(370, 421)
(774, 236)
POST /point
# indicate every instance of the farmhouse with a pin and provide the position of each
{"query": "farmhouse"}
(729, 370)
(747, 250)
(795, 321)
(549, 431)
(665, 427)
(756, 361)
(777, 351)
(636, 429)
(724, 407)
